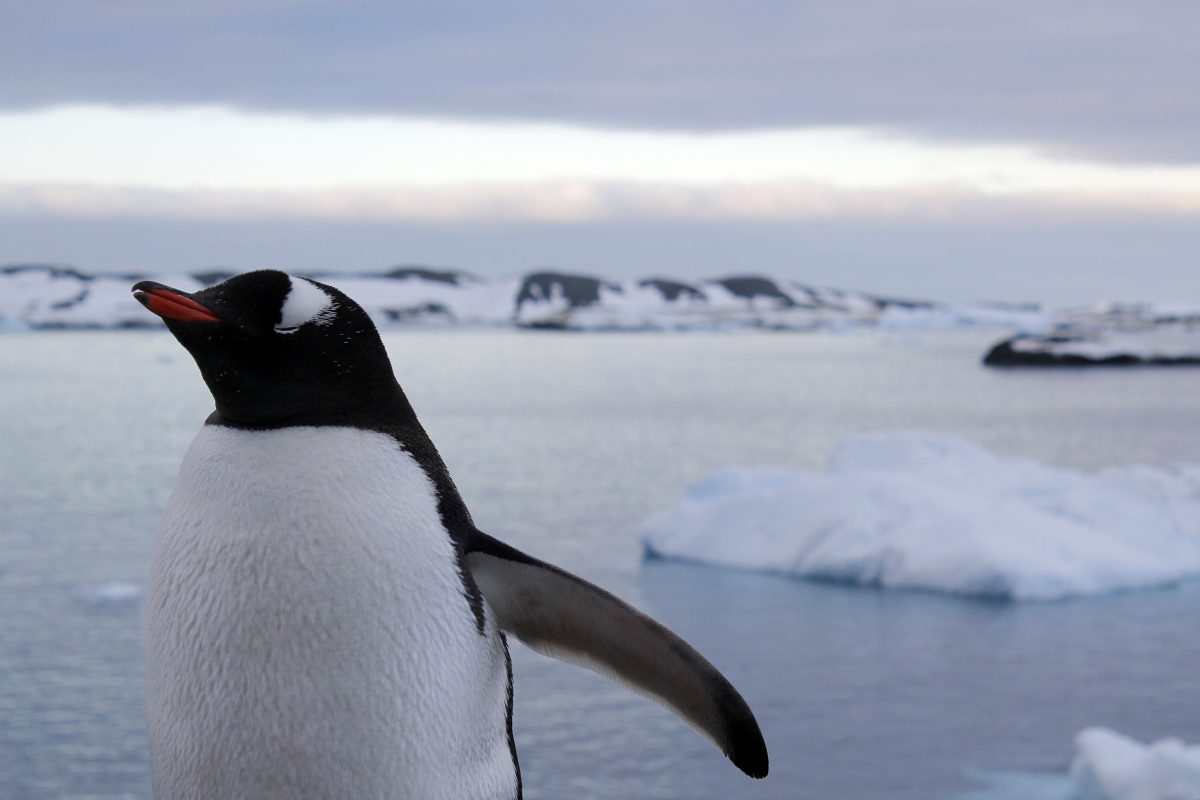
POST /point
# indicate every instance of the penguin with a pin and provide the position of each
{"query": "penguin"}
(323, 618)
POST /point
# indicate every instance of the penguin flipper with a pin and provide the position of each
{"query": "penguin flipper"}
(565, 617)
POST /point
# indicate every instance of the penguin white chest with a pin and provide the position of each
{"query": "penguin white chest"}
(308, 632)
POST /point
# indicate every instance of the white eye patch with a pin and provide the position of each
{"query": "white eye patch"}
(305, 303)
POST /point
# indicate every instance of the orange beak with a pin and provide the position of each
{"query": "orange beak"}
(170, 304)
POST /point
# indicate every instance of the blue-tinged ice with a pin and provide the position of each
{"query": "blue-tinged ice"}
(932, 512)
(1110, 766)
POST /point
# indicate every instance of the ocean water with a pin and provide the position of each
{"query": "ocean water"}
(562, 444)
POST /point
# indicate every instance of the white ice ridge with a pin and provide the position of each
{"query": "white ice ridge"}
(923, 511)
(1109, 766)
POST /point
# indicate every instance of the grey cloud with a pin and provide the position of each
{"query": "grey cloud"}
(1108, 78)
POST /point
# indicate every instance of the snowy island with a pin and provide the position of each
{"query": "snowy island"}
(1148, 348)
(42, 297)
(59, 297)
(1108, 335)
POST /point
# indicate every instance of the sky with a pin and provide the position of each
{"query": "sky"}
(960, 150)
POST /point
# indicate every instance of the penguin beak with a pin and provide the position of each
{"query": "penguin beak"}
(171, 303)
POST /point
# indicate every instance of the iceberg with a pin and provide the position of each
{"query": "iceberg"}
(922, 511)
(1110, 766)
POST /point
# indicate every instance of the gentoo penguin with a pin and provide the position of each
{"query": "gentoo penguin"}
(324, 620)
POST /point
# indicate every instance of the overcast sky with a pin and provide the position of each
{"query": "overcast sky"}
(987, 149)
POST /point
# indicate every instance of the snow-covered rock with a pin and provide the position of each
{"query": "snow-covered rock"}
(1107, 334)
(581, 302)
(932, 512)
(1109, 766)
(1157, 347)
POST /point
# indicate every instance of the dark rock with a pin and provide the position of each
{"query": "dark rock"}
(53, 270)
(554, 324)
(752, 286)
(71, 301)
(1006, 354)
(418, 312)
(452, 277)
(579, 290)
(672, 290)
(898, 302)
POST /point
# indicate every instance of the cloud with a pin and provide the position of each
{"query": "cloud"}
(593, 201)
(219, 148)
(218, 163)
(1099, 78)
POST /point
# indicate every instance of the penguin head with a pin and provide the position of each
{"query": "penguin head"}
(275, 349)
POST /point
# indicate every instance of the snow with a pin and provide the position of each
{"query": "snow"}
(1110, 766)
(415, 299)
(64, 298)
(1147, 346)
(911, 510)
(1133, 316)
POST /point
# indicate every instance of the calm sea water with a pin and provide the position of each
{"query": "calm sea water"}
(562, 445)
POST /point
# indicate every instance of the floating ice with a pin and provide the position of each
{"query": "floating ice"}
(933, 512)
(968, 315)
(1109, 766)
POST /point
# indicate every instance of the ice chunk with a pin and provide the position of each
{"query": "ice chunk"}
(1109, 766)
(933, 512)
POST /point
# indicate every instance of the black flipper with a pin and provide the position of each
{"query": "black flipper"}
(568, 618)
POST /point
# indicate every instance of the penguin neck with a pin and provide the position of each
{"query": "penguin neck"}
(383, 408)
